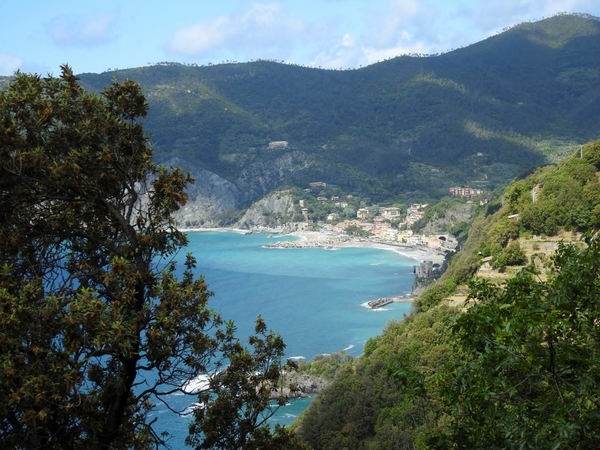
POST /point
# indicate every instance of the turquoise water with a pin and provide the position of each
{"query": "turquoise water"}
(315, 298)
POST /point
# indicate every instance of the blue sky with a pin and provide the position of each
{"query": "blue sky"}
(92, 36)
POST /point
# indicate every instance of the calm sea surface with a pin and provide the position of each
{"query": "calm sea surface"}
(315, 298)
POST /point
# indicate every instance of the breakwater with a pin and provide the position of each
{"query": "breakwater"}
(378, 303)
(327, 244)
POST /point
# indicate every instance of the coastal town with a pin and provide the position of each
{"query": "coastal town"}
(392, 226)
(388, 228)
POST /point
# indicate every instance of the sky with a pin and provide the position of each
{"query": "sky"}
(37, 36)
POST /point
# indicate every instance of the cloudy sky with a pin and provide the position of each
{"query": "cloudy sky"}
(94, 36)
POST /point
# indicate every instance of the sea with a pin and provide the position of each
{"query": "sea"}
(315, 298)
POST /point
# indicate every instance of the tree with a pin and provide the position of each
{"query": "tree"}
(241, 398)
(95, 325)
(532, 350)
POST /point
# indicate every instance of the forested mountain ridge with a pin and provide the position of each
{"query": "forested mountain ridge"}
(406, 128)
(401, 130)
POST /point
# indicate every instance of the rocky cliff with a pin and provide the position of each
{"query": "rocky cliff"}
(214, 201)
(272, 211)
(444, 221)
(263, 176)
(208, 197)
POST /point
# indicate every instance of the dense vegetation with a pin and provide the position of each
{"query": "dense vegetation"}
(518, 368)
(96, 323)
(86, 311)
(401, 130)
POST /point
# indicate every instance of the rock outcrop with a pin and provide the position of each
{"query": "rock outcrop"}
(305, 385)
(452, 216)
(261, 177)
(211, 197)
(208, 197)
(272, 211)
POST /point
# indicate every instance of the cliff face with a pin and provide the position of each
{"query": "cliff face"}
(212, 197)
(271, 211)
(443, 222)
(208, 197)
(258, 179)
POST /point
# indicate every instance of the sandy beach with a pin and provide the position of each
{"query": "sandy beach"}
(310, 239)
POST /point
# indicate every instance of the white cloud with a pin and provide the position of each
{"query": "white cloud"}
(396, 27)
(402, 27)
(494, 15)
(342, 55)
(394, 20)
(201, 37)
(82, 31)
(261, 28)
(9, 64)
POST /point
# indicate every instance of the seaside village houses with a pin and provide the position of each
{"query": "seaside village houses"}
(381, 229)
(387, 224)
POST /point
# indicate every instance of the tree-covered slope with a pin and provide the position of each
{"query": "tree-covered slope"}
(478, 115)
(514, 367)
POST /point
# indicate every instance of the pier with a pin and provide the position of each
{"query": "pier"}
(373, 304)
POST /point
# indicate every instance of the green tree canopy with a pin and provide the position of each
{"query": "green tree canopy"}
(95, 324)
(532, 372)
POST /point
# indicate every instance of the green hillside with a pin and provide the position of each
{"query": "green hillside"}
(513, 367)
(408, 127)
(502, 351)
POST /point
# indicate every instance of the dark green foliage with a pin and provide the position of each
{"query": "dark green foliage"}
(513, 254)
(239, 399)
(373, 403)
(349, 408)
(326, 366)
(565, 195)
(96, 322)
(591, 153)
(520, 369)
(407, 128)
(432, 296)
(532, 376)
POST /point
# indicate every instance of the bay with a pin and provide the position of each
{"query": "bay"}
(314, 297)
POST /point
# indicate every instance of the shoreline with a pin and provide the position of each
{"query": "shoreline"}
(316, 239)
(219, 230)
(332, 241)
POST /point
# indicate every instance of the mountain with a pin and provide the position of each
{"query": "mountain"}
(401, 130)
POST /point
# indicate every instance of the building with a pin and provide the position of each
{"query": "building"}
(390, 213)
(305, 214)
(362, 213)
(427, 269)
(467, 193)
(391, 234)
(278, 144)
